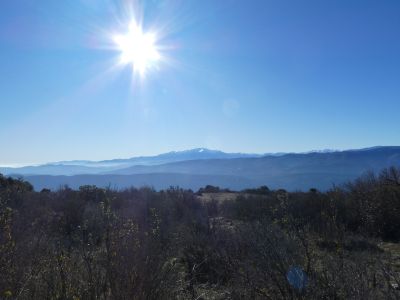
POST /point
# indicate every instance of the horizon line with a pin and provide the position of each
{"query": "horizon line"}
(326, 150)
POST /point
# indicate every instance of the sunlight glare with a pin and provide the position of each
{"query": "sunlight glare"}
(138, 48)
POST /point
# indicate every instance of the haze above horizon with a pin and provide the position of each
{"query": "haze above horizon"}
(237, 76)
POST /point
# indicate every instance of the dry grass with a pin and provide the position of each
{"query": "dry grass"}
(393, 249)
(220, 197)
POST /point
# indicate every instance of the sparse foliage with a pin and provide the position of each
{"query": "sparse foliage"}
(142, 244)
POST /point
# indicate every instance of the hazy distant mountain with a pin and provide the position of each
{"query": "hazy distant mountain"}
(198, 153)
(194, 168)
(77, 167)
(346, 162)
(291, 171)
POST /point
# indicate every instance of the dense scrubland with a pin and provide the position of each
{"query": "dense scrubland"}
(95, 243)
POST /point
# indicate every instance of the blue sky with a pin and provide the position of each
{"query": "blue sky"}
(239, 76)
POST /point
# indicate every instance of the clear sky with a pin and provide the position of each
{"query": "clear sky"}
(239, 76)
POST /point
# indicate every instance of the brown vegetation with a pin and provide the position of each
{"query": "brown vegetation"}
(175, 244)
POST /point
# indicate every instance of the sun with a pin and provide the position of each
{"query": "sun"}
(138, 48)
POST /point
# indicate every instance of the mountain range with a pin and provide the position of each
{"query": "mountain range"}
(78, 167)
(198, 167)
